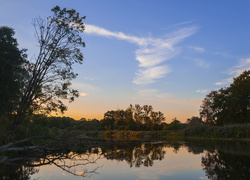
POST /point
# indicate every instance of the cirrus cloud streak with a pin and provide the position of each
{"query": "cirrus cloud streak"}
(244, 64)
(151, 52)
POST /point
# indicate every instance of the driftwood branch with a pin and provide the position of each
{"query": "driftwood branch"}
(68, 162)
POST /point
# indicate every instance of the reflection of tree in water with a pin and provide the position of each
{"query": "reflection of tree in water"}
(76, 164)
(140, 154)
(15, 172)
(224, 165)
(222, 160)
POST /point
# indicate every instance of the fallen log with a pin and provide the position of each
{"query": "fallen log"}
(24, 148)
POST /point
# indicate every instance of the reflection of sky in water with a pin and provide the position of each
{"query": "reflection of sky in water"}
(180, 165)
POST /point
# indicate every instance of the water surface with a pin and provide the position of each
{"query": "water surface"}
(130, 160)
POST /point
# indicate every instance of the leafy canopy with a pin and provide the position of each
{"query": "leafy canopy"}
(229, 105)
(12, 71)
(60, 42)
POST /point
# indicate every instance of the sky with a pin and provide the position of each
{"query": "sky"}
(166, 53)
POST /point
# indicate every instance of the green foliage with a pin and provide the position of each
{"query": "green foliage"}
(88, 125)
(61, 122)
(133, 118)
(195, 121)
(229, 131)
(12, 71)
(175, 125)
(60, 44)
(233, 103)
(229, 105)
(206, 111)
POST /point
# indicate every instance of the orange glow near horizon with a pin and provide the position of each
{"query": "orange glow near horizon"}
(181, 110)
(90, 107)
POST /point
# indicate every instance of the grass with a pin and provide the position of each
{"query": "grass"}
(238, 131)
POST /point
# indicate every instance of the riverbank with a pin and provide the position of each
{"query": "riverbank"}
(230, 132)
(65, 138)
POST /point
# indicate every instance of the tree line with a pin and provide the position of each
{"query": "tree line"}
(134, 118)
(31, 89)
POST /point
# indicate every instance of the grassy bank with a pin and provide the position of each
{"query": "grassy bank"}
(30, 129)
(234, 132)
(239, 131)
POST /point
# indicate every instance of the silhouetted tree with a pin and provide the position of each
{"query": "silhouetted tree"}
(133, 118)
(59, 42)
(146, 116)
(108, 120)
(156, 118)
(138, 116)
(229, 105)
(195, 121)
(206, 110)
(232, 104)
(12, 71)
(129, 121)
(175, 125)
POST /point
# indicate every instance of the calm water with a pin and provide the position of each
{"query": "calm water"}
(158, 160)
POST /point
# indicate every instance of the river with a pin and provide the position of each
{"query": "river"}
(174, 160)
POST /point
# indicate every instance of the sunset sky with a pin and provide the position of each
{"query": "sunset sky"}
(164, 53)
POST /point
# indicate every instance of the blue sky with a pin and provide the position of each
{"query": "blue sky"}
(166, 53)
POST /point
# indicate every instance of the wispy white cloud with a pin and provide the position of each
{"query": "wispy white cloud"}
(149, 75)
(151, 52)
(202, 91)
(181, 24)
(244, 64)
(154, 54)
(92, 29)
(197, 49)
(224, 81)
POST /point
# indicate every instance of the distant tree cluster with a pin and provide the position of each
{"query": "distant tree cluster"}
(133, 118)
(136, 118)
(229, 105)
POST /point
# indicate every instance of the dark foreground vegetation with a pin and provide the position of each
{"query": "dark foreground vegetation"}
(31, 90)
